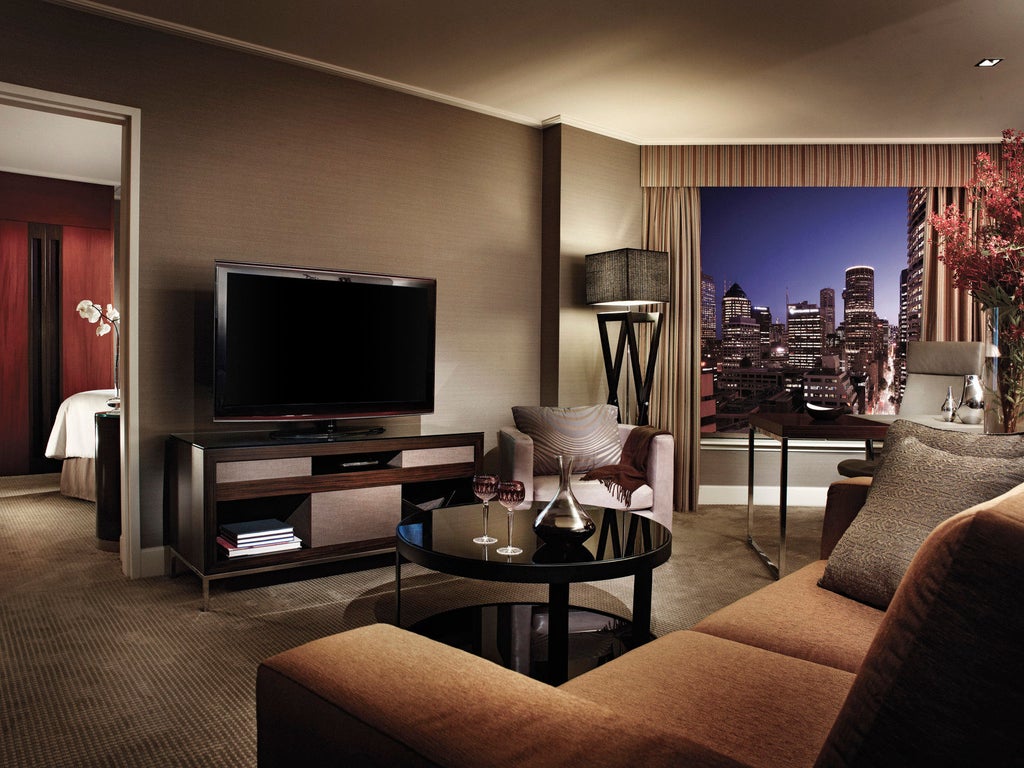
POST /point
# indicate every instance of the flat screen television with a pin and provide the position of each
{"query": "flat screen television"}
(321, 344)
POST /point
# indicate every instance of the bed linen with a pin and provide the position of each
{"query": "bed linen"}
(73, 439)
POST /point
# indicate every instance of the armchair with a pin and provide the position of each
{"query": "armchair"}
(654, 500)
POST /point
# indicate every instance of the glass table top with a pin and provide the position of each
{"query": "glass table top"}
(446, 534)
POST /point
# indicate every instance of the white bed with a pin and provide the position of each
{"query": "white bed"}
(73, 439)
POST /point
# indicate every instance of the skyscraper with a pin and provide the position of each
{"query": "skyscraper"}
(803, 326)
(708, 315)
(859, 318)
(763, 316)
(917, 206)
(827, 303)
(741, 342)
(734, 304)
(741, 334)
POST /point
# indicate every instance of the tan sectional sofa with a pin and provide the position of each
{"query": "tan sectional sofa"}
(792, 675)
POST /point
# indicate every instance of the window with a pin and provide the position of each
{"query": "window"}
(808, 294)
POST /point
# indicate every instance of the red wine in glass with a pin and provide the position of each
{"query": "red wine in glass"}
(511, 494)
(486, 488)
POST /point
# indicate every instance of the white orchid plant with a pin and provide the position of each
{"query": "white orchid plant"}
(106, 319)
(94, 314)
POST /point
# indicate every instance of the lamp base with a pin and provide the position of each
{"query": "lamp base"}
(643, 381)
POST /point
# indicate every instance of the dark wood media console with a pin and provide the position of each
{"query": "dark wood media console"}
(343, 496)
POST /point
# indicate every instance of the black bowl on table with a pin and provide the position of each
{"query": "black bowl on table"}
(825, 412)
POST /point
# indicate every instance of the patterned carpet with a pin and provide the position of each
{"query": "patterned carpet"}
(99, 670)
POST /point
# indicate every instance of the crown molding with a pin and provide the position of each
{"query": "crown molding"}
(181, 30)
(583, 125)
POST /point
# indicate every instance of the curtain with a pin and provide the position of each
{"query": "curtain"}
(811, 165)
(671, 222)
(672, 177)
(949, 314)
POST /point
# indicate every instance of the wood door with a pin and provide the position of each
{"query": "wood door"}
(14, 348)
(87, 272)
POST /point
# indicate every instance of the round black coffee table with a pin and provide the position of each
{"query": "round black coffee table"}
(624, 545)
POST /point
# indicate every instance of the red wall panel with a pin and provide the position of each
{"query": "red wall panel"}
(14, 308)
(87, 272)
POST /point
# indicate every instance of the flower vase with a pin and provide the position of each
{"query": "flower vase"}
(1004, 374)
(564, 521)
(948, 409)
(993, 423)
(972, 402)
(115, 401)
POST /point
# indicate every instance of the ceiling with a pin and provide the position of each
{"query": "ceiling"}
(49, 144)
(653, 71)
(645, 71)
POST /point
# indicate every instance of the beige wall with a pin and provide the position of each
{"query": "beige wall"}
(249, 159)
(592, 203)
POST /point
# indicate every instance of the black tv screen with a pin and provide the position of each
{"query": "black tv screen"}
(320, 344)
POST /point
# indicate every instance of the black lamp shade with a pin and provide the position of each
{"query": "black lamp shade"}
(627, 276)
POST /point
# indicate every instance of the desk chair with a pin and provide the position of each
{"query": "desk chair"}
(932, 368)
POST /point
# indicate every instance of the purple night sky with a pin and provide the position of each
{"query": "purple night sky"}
(803, 239)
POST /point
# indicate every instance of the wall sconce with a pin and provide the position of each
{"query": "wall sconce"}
(629, 277)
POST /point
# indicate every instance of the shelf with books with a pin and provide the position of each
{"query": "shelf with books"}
(256, 537)
(258, 548)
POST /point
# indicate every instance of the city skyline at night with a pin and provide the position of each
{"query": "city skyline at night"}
(795, 241)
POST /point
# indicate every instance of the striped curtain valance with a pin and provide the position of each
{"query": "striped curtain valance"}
(811, 165)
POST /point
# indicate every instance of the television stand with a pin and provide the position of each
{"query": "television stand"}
(327, 431)
(343, 497)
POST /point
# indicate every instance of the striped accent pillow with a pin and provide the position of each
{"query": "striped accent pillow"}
(590, 433)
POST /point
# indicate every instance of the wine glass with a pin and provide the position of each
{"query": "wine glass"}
(511, 494)
(485, 487)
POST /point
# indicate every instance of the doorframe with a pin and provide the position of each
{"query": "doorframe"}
(130, 120)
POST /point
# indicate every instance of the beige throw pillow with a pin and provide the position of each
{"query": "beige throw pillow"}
(914, 489)
(590, 433)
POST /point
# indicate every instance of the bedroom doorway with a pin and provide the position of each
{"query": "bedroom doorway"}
(58, 247)
(125, 121)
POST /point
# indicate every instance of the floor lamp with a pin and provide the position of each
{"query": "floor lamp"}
(629, 277)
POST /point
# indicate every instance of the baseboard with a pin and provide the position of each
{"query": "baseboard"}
(799, 496)
(153, 561)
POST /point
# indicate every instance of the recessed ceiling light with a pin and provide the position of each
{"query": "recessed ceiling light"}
(988, 62)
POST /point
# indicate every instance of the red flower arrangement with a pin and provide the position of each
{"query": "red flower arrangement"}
(984, 251)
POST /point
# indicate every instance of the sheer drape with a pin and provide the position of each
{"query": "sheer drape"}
(672, 223)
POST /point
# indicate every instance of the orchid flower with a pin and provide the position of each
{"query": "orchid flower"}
(88, 310)
(94, 314)
(110, 318)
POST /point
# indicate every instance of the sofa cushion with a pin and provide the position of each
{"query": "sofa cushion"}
(956, 441)
(589, 433)
(383, 696)
(916, 488)
(796, 617)
(943, 683)
(752, 705)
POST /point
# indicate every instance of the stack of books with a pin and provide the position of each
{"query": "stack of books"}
(257, 537)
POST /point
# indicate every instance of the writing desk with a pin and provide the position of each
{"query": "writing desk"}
(784, 427)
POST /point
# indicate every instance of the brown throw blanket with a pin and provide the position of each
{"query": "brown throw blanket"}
(631, 472)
